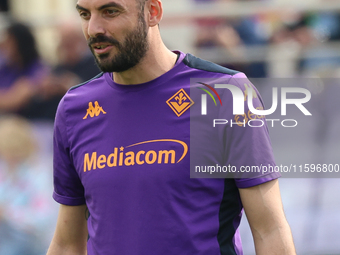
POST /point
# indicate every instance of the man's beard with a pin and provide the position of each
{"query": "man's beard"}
(130, 52)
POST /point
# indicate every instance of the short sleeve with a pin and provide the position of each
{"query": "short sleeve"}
(248, 145)
(68, 189)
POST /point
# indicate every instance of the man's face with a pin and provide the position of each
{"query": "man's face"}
(116, 32)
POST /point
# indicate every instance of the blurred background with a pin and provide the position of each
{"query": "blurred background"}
(43, 53)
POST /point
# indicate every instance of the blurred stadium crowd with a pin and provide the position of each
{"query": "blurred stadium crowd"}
(276, 44)
(30, 90)
(281, 43)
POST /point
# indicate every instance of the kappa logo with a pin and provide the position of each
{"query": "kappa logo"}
(180, 102)
(94, 110)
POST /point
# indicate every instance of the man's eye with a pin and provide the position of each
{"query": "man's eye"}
(110, 12)
(84, 15)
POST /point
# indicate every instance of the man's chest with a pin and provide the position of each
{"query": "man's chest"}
(115, 142)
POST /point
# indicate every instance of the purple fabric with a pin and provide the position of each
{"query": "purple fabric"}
(9, 75)
(246, 183)
(124, 152)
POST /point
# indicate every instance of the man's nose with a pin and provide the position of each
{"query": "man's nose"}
(95, 27)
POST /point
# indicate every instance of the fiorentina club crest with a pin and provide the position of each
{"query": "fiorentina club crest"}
(180, 102)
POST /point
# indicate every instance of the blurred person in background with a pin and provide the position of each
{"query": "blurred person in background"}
(290, 38)
(26, 211)
(316, 29)
(21, 69)
(74, 56)
(233, 36)
(3, 5)
(297, 44)
(75, 65)
(29, 87)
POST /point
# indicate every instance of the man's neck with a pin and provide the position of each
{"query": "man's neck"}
(154, 64)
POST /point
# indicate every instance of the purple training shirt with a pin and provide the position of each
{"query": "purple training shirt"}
(124, 150)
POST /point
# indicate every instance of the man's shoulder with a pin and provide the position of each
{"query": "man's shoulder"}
(83, 93)
(204, 65)
(88, 82)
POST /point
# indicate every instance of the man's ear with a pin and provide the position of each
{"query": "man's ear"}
(155, 9)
